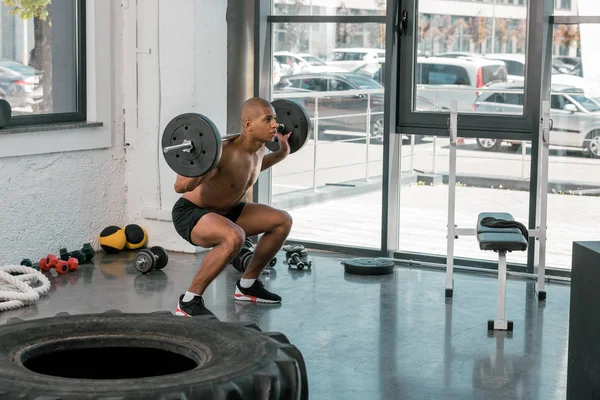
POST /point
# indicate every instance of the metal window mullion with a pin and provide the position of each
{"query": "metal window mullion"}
(340, 19)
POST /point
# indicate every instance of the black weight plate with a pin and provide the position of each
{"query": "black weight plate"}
(296, 120)
(205, 137)
(144, 261)
(5, 113)
(163, 256)
(368, 266)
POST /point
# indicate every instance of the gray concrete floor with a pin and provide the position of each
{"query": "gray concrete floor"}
(377, 337)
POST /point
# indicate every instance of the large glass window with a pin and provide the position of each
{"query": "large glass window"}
(335, 71)
(489, 177)
(478, 56)
(41, 60)
(574, 162)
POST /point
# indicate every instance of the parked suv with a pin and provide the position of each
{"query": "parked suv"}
(575, 117)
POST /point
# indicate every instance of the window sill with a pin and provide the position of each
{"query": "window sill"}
(48, 127)
(53, 138)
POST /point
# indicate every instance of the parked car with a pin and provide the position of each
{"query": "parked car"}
(575, 117)
(443, 79)
(292, 63)
(19, 84)
(341, 112)
(350, 58)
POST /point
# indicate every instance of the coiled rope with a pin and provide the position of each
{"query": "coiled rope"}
(18, 291)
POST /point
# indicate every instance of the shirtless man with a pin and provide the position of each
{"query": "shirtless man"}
(211, 212)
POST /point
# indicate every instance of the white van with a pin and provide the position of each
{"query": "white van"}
(441, 79)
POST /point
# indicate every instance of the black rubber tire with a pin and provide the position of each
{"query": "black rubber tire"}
(235, 361)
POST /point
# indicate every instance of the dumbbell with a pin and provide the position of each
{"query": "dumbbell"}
(28, 263)
(242, 259)
(297, 255)
(148, 259)
(48, 262)
(62, 266)
(78, 254)
(88, 251)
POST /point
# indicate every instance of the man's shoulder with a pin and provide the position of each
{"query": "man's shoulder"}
(230, 138)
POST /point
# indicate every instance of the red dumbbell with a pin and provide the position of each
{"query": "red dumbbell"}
(61, 267)
(51, 260)
(73, 264)
(43, 265)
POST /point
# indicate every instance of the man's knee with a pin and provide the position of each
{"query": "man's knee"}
(234, 239)
(285, 221)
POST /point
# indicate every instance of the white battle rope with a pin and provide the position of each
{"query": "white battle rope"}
(17, 291)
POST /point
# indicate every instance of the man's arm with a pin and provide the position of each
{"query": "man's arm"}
(184, 184)
(284, 150)
(273, 158)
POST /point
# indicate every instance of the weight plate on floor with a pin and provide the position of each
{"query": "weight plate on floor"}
(368, 266)
(295, 119)
(163, 257)
(144, 261)
(206, 141)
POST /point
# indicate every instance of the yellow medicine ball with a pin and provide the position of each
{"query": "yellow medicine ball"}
(112, 239)
(136, 236)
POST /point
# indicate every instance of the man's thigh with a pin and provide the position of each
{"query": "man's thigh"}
(259, 218)
(212, 229)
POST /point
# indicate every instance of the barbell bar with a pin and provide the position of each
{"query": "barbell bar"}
(192, 144)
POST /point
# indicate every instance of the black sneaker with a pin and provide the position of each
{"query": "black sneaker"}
(193, 308)
(255, 293)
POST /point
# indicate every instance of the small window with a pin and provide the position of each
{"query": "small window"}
(513, 98)
(494, 73)
(354, 56)
(514, 68)
(42, 63)
(336, 84)
(557, 102)
(336, 56)
(440, 74)
(494, 98)
(295, 83)
(316, 84)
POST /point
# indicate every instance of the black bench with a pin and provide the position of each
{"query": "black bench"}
(499, 232)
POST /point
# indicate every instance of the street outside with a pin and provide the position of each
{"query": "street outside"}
(356, 220)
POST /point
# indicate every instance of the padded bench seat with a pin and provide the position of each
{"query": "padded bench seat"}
(500, 239)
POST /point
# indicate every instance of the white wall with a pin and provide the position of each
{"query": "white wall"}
(181, 67)
(60, 188)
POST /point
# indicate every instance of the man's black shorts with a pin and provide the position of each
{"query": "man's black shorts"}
(186, 215)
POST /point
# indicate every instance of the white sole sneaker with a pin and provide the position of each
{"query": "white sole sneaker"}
(239, 296)
(181, 313)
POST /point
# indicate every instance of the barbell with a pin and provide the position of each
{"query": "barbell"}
(192, 143)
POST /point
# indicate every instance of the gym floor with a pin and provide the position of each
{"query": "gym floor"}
(375, 337)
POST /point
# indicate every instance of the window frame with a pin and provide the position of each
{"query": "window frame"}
(520, 127)
(80, 114)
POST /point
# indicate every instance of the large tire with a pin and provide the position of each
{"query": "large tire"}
(64, 357)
